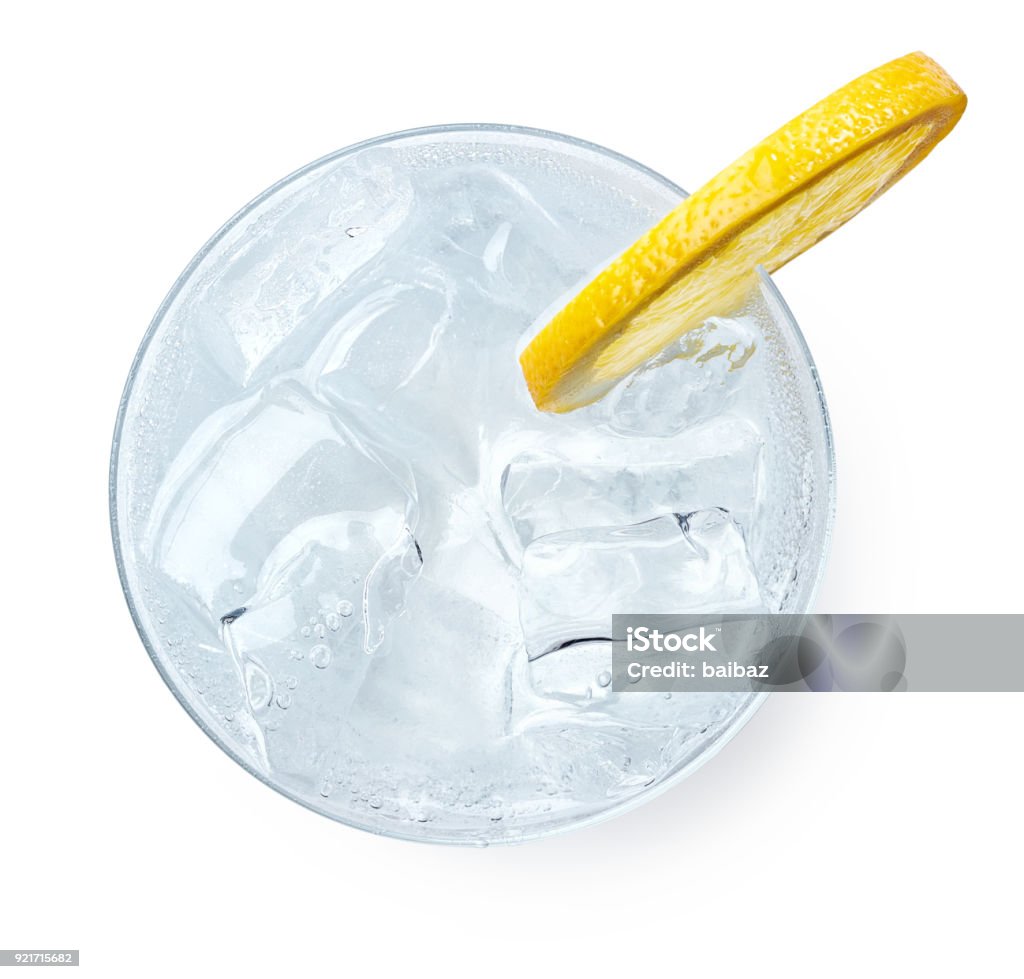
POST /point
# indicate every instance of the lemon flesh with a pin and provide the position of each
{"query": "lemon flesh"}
(774, 202)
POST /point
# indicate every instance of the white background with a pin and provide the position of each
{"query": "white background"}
(835, 835)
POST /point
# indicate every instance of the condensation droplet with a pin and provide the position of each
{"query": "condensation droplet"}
(320, 631)
(320, 656)
(284, 700)
(306, 632)
(355, 232)
(333, 621)
(345, 608)
(604, 678)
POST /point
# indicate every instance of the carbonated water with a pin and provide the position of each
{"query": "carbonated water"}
(372, 568)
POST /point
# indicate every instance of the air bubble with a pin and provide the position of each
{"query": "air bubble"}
(259, 688)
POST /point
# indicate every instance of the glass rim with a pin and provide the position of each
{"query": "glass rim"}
(452, 129)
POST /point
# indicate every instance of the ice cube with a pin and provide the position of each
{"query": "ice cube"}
(300, 643)
(421, 340)
(385, 337)
(437, 692)
(573, 582)
(599, 482)
(505, 244)
(578, 674)
(386, 587)
(698, 377)
(466, 553)
(259, 471)
(255, 306)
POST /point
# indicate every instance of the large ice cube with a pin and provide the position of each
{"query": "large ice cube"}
(508, 248)
(386, 336)
(599, 482)
(259, 471)
(698, 377)
(444, 685)
(573, 582)
(435, 344)
(300, 643)
(256, 308)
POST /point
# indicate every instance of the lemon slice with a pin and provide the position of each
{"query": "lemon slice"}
(775, 201)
